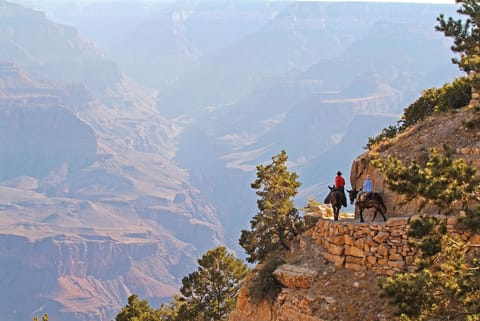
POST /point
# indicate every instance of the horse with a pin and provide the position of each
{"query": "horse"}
(368, 200)
(336, 198)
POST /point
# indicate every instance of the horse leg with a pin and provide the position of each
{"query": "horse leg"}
(375, 214)
(383, 214)
(335, 213)
(361, 215)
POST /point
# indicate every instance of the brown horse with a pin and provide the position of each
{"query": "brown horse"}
(368, 200)
(337, 199)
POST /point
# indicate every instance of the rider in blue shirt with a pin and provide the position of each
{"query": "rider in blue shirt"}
(366, 188)
(367, 185)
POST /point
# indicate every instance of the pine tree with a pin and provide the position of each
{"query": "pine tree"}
(277, 221)
(210, 293)
(137, 310)
(171, 311)
(466, 35)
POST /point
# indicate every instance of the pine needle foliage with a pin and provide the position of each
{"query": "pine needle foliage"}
(137, 310)
(450, 96)
(445, 284)
(470, 221)
(277, 221)
(172, 310)
(208, 294)
(264, 285)
(444, 182)
(466, 37)
(211, 291)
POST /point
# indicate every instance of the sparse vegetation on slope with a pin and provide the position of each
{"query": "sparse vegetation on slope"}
(450, 96)
(442, 181)
(446, 282)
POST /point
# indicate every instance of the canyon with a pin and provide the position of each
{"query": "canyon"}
(128, 150)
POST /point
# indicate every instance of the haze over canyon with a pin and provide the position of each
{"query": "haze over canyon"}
(130, 131)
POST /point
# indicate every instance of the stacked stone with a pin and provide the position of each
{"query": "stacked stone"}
(381, 248)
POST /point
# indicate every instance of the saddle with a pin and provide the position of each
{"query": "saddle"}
(328, 198)
(366, 196)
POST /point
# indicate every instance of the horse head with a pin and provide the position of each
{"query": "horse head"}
(352, 194)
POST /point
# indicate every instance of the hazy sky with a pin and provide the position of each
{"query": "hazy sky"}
(410, 1)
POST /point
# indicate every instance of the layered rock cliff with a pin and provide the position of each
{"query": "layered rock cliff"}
(92, 207)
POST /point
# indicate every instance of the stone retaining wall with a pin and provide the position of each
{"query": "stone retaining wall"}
(378, 247)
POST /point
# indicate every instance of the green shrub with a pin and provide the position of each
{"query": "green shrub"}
(264, 285)
(471, 221)
(389, 132)
(444, 182)
(450, 96)
(445, 284)
(406, 290)
(453, 95)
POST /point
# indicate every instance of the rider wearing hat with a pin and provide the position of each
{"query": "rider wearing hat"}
(340, 185)
(339, 181)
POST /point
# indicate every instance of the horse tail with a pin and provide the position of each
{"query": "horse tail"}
(328, 198)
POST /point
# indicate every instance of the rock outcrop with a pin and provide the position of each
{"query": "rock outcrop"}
(314, 289)
(332, 269)
(449, 129)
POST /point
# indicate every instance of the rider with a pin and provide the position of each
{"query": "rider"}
(367, 187)
(340, 185)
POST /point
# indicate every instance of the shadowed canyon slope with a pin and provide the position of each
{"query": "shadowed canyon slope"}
(91, 200)
(121, 165)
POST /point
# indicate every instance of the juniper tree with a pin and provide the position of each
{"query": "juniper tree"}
(277, 220)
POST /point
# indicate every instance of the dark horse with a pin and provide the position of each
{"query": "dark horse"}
(336, 197)
(368, 200)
